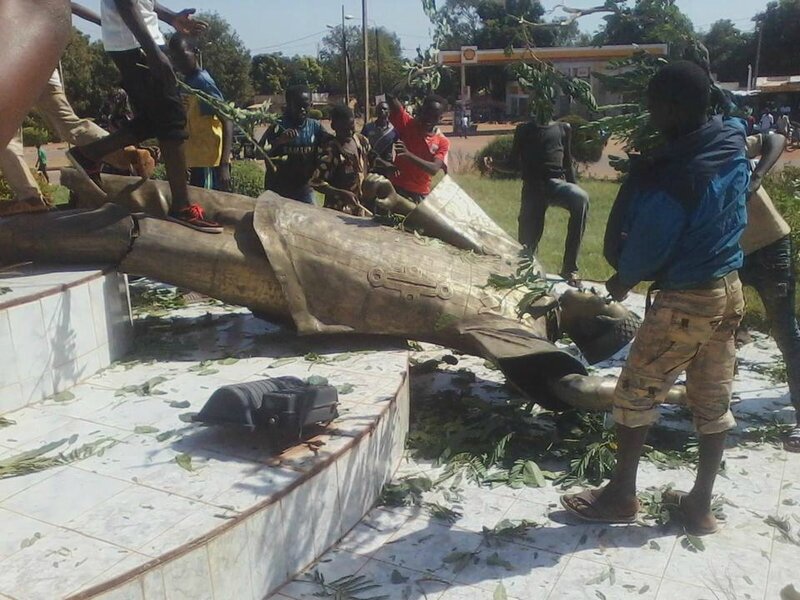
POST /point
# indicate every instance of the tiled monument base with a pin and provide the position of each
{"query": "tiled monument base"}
(157, 507)
(58, 326)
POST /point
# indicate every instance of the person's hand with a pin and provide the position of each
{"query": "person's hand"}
(224, 177)
(160, 66)
(488, 162)
(616, 289)
(184, 23)
(286, 136)
(348, 198)
(755, 183)
(400, 149)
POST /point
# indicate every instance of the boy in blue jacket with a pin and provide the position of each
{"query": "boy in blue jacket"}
(677, 222)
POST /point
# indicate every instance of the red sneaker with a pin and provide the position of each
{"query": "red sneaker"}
(195, 217)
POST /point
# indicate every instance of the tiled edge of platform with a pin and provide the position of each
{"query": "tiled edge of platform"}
(262, 548)
(58, 328)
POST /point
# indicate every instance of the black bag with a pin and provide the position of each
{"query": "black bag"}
(281, 405)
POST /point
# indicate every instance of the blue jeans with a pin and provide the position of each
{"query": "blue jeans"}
(537, 196)
(771, 272)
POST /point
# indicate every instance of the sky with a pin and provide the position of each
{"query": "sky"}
(298, 26)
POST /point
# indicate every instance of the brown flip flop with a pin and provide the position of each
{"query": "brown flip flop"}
(671, 500)
(584, 506)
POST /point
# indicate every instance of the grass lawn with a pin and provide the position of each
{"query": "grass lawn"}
(500, 199)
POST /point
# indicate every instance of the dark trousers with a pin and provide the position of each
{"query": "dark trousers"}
(537, 196)
(771, 272)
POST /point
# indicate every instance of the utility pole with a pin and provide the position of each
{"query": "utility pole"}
(378, 56)
(758, 51)
(365, 36)
(346, 62)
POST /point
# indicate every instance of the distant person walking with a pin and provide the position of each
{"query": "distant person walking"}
(766, 122)
(41, 162)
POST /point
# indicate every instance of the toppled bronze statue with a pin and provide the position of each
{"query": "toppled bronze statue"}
(327, 272)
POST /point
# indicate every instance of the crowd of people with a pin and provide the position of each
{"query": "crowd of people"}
(691, 216)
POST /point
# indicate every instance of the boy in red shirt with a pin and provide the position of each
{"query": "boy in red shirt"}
(422, 149)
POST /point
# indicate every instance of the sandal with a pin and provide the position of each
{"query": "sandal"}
(572, 279)
(671, 500)
(584, 506)
(792, 441)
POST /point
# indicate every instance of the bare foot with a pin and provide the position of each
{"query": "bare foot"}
(696, 517)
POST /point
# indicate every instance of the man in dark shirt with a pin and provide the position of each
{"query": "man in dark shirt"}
(295, 141)
(677, 221)
(381, 134)
(542, 154)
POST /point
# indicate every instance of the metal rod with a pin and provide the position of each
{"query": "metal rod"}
(365, 36)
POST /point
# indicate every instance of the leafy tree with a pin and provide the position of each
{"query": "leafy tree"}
(89, 74)
(273, 73)
(268, 73)
(730, 50)
(226, 58)
(391, 60)
(780, 24)
(647, 22)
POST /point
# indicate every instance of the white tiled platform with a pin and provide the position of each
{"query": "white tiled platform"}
(132, 523)
(402, 550)
(58, 326)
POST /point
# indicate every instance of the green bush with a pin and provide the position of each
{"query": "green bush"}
(247, 178)
(315, 113)
(587, 144)
(499, 150)
(48, 191)
(326, 111)
(784, 188)
(32, 136)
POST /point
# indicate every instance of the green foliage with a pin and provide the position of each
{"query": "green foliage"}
(590, 446)
(587, 142)
(780, 23)
(647, 22)
(333, 72)
(499, 150)
(225, 56)
(730, 50)
(40, 459)
(52, 193)
(348, 587)
(528, 278)
(273, 73)
(315, 113)
(32, 136)
(89, 74)
(247, 178)
(544, 84)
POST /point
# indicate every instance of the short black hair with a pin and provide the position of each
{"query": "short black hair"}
(340, 112)
(435, 98)
(179, 42)
(682, 84)
(297, 90)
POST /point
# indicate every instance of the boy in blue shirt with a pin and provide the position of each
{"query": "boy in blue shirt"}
(677, 221)
(208, 148)
(295, 141)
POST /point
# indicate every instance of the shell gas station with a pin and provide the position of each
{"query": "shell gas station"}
(581, 62)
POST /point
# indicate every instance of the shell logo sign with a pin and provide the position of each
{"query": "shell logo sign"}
(469, 54)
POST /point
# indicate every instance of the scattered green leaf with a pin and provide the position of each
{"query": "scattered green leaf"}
(184, 461)
(143, 429)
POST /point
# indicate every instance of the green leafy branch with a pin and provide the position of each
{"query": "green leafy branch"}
(526, 278)
(345, 588)
(35, 461)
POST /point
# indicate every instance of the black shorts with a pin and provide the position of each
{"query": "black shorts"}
(158, 110)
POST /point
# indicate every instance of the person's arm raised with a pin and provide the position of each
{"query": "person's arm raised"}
(772, 146)
(183, 21)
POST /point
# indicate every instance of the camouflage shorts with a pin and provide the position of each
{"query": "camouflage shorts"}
(685, 330)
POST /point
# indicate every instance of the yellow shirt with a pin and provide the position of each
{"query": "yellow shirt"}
(204, 146)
